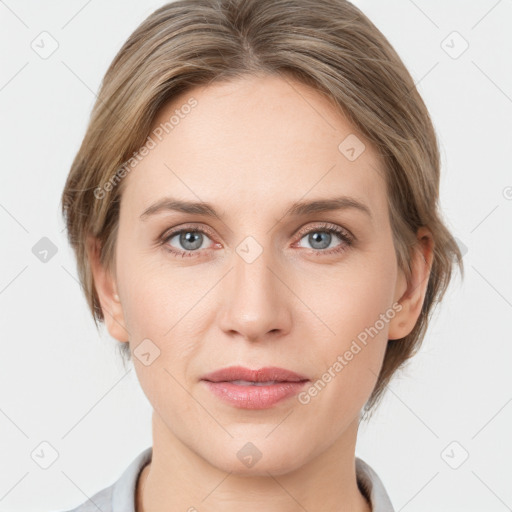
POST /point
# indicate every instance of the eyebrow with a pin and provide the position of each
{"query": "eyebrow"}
(297, 209)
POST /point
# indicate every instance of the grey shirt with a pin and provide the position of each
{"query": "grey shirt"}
(120, 496)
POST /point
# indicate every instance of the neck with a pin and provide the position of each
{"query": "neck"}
(178, 478)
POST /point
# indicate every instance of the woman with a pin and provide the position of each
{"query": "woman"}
(254, 211)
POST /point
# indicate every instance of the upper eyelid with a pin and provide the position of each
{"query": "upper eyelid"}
(326, 226)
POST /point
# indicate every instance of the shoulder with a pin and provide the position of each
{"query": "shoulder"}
(120, 496)
(372, 487)
(102, 500)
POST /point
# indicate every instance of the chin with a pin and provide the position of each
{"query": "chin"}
(258, 456)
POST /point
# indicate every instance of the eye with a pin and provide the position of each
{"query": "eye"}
(187, 241)
(321, 238)
(190, 240)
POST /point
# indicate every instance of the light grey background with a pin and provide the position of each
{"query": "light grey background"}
(62, 383)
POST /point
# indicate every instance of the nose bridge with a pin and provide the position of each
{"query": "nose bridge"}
(255, 301)
(251, 268)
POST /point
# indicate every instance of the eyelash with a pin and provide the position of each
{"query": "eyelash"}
(326, 227)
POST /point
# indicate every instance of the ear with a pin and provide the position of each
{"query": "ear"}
(106, 289)
(412, 295)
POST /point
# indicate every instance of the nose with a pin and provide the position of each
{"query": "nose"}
(255, 301)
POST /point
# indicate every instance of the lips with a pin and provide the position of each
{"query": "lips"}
(254, 389)
(239, 373)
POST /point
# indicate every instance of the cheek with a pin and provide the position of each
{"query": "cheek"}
(157, 319)
(349, 363)
(151, 297)
(352, 298)
(163, 306)
(357, 308)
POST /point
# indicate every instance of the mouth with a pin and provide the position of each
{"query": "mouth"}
(254, 389)
(252, 383)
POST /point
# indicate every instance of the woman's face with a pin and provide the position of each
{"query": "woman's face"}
(257, 284)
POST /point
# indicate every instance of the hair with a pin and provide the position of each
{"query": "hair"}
(329, 45)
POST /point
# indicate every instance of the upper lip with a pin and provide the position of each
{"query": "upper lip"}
(270, 373)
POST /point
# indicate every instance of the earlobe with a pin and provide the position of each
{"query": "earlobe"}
(412, 298)
(106, 289)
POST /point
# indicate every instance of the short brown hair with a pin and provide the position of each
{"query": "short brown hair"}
(327, 44)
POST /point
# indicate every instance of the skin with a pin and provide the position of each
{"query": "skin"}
(250, 148)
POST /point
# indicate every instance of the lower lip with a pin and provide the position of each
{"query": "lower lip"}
(254, 397)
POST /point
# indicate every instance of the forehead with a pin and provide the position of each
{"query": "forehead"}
(253, 142)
